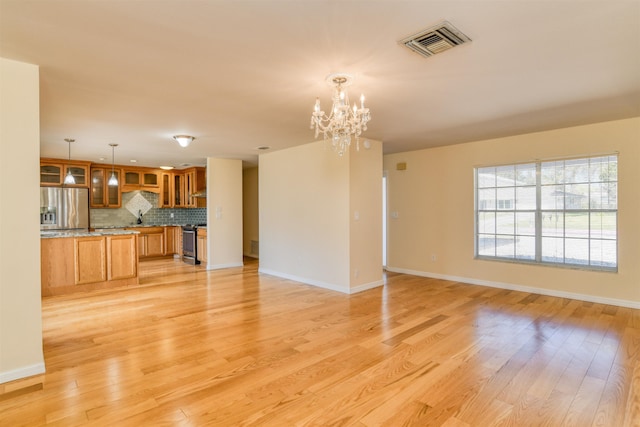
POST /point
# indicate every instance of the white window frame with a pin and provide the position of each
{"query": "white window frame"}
(484, 209)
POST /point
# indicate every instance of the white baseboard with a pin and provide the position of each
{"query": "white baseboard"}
(521, 288)
(221, 266)
(24, 372)
(321, 284)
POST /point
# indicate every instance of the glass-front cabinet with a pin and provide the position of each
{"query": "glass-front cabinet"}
(104, 195)
(52, 173)
(166, 190)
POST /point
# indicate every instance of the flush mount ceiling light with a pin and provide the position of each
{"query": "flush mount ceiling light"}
(69, 179)
(113, 181)
(183, 140)
(344, 120)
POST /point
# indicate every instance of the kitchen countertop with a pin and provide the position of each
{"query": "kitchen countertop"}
(53, 234)
(110, 227)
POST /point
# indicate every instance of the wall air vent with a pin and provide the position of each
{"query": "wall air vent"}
(436, 39)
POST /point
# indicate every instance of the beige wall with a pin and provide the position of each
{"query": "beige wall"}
(20, 310)
(306, 216)
(365, 186)
(224, 213)
(250, 229)
(434, 201)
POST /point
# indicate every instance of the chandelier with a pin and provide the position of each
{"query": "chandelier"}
(344, 120)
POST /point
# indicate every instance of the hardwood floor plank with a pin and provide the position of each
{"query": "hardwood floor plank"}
(191, 347)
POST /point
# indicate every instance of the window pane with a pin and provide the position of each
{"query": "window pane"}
(603, 195)
(526, 223)
(506, 198)
(505, 223)
(526, 174)
(576, 251)
(576, 170)
(505, 246)
(486, 222)
(525, 198)
(603, 253)
(526, 248)
(552, 173)
(552, 224)
(552, 197)
(576, 196)
(487, 199)
(486, 177)
(487, 245)
(505, 176)
(552, 249)
(576, 224)
(604, 225)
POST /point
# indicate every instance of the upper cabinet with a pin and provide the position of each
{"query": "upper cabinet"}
(195, 182)
(177, 188)
(141, 179)
(104, 195)
(53, 172)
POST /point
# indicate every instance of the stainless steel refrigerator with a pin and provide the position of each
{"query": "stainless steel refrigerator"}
(64, 208)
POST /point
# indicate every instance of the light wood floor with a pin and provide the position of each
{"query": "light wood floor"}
(232, 347)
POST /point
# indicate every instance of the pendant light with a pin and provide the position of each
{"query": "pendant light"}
(69, 179)
(113, 181)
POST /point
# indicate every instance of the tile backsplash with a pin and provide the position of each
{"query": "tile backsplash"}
(122, 217)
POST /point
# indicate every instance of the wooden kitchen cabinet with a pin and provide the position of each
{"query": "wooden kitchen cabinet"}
(195, 181)
(104, 195)
(166, 199)
(169, 240)
(201, 242)
(90, 260)
(122, 262)
(179, 200)
(151, 241)
(154, 246)
(53, 172)
(72, 264)
(57, 266)
(146, 179)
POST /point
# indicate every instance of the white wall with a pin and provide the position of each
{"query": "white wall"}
(434, 199)
(306, 216)
(224, 213)
(20, 309)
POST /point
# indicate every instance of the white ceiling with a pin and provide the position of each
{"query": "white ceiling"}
(241, 74)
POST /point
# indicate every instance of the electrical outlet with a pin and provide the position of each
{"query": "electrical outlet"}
(434, 257)
(171, 214)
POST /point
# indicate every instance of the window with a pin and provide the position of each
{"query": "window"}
(551, 212)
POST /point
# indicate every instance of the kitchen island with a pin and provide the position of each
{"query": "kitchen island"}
(76, 261)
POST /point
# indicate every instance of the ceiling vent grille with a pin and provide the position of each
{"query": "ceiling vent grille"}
(436, 39)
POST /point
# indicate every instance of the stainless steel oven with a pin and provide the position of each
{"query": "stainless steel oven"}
(190, 243)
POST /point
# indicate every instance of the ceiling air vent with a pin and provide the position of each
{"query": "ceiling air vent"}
(436, 39)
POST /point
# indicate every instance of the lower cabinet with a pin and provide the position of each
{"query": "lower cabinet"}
(91, 259)
(72, 264)
(158, 241)
(201, 242)
(122, 262)
(150, 241)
